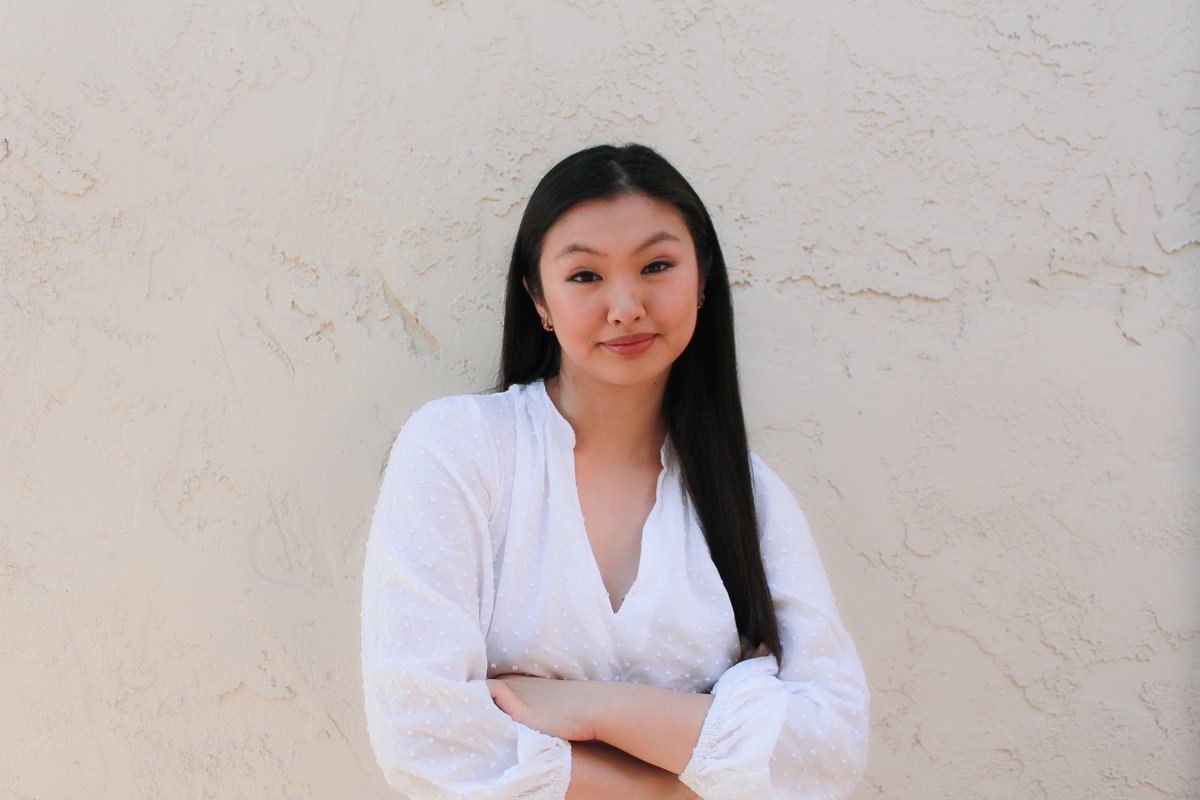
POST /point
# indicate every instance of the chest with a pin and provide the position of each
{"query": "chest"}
(552, 614)
(614, 506)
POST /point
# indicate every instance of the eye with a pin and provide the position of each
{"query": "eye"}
(583, 276)
(657, 266)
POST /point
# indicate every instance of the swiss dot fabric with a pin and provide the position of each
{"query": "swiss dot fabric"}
(478, 564)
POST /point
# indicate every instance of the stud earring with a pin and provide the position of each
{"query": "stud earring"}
(547, 325)
(701, 303)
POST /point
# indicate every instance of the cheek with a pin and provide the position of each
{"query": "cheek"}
(680, 305)
(682, 312)
(571, 310)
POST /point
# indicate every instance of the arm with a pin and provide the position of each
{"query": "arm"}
(797, 729)
(766, 731)
(600, 772)
(656, 726)
(427, 593)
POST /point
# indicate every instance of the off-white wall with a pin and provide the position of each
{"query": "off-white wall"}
(240, 243)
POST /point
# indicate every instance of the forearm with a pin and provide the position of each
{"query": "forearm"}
(601, 772)
(658, 726)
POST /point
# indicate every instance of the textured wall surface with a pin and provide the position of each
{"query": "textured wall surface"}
(241, 242)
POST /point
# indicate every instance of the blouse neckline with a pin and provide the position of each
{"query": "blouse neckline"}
(649, 533)
(563, 429)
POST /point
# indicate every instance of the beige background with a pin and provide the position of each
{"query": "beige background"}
(241, 242)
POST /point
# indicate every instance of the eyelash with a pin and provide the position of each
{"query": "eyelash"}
(587, 276)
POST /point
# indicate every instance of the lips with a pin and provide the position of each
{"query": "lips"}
(629, 345)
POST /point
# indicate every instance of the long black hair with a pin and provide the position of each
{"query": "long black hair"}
(702, 405)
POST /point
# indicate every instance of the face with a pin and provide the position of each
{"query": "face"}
(620, 284)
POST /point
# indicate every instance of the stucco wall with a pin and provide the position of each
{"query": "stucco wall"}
(241, 242)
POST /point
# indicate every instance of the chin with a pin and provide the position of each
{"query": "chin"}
(635, 378)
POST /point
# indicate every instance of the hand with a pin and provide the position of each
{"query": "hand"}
(566, 709)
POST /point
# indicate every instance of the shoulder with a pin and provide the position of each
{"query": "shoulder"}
(470, 433)
(767, 483)
(776, 504)
(465, 418)
(460, 445)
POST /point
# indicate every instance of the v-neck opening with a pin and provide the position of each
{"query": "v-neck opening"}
(564, 426)
(639, 575)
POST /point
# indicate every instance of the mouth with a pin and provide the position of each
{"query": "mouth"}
(629, 345)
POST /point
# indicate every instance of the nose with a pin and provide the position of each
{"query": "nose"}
(625, 304)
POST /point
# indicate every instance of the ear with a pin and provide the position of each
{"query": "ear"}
(537, 303)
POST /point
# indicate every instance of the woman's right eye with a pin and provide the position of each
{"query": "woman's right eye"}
(583, 276)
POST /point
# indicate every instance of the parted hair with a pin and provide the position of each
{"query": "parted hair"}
(702, 404)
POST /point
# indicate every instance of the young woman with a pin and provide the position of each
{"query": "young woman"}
(584, 585)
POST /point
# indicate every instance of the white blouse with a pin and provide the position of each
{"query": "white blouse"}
(478, 564)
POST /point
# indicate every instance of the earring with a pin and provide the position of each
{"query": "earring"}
(547, 325)
(701, 303)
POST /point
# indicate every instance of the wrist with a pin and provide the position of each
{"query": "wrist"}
(659, 726)
(607, 702)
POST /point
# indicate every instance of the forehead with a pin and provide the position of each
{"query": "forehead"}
(614, 225)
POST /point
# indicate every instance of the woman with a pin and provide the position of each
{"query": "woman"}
(583, 585)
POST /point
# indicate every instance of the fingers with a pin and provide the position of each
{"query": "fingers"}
(502, 696)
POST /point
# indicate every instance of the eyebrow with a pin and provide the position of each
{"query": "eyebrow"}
(661, 236)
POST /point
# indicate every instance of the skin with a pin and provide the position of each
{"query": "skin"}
(611, 270)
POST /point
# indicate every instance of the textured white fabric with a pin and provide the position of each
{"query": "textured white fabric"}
(478, 564)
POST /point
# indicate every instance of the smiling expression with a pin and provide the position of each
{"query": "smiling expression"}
(620, 284)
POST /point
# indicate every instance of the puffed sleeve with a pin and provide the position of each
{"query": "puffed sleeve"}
(427, 599)
(798, 731)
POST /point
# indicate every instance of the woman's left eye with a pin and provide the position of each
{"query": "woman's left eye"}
(657, 266)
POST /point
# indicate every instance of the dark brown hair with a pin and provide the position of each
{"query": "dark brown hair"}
(702, 404)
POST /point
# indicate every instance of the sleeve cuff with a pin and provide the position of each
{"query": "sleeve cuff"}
(732, 756)
(541, 755)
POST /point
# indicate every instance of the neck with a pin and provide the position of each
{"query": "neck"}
(619, 421)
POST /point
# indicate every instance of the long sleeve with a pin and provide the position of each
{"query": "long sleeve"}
(798, 730)
(427, 599)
